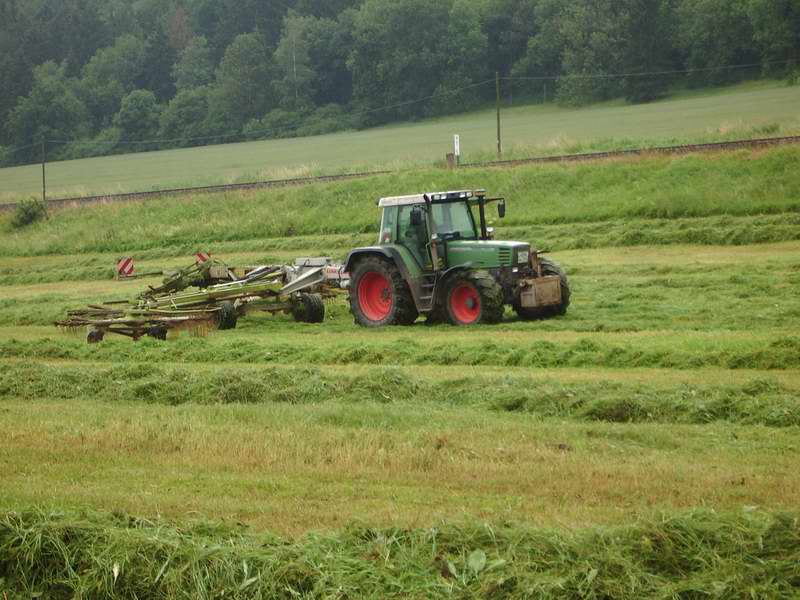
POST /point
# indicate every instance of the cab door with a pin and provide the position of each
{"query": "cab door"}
(415, 237)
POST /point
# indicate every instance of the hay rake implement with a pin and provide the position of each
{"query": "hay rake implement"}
(213, 295)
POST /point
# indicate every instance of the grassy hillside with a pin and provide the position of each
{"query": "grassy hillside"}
(628, 201)
(754, 109)
(642, 445)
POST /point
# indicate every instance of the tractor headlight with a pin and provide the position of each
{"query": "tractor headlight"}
(522, 257)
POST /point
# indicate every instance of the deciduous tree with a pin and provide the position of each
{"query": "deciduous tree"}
(111, 74)
(138, 116)
(195, 68)
(51, 111)
(244, 81)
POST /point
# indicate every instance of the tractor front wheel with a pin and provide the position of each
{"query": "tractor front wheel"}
(472, 298)
(379, 295)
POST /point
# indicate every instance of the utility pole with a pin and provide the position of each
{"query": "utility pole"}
(294, 69)
(497, 103)
(44, 174)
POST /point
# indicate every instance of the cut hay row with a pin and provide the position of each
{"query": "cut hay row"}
(690, 555)
(687, 351)
(757, 401)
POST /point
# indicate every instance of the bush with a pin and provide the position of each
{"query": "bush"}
(326, 119)
(447, 100)
(139, 115)
(185, 117)
(277, 123)
(103, 144)
(28, 211)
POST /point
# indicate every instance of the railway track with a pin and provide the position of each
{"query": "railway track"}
(208, 189)
(567, 158)
(684, 149)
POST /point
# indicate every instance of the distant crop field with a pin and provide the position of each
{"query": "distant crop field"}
(747, 110)
(643, 445)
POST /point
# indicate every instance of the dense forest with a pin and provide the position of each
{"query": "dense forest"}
(116, 74)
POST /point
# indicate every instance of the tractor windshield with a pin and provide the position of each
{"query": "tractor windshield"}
(455, 218)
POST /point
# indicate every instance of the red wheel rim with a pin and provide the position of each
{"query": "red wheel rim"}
(375, 296)
(465, 303)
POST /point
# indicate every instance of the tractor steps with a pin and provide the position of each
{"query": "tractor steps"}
(427, 292)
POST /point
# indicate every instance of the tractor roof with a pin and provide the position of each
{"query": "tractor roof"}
(435, 197)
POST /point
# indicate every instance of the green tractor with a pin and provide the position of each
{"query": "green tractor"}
(435, 257)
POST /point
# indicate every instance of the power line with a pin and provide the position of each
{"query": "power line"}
(267, 131)
(647, 73)
(431, 97)
(18, 148)
(293, 125)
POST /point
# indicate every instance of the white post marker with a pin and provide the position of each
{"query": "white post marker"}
(457, 145)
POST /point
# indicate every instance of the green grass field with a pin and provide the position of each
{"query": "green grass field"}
(645, 445)
(748, 110)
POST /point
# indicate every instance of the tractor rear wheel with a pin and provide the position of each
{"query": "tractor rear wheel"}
(379, 295)
(528, 314)
(474, 297)
(309, 308)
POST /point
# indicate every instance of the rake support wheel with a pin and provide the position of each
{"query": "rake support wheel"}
(95, 336)
(309, 308)
(158, 332)
(227, 316)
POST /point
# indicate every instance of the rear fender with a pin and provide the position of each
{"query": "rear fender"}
(393, 255)
(359, 253)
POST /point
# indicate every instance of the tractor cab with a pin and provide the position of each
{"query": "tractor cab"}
(446, 229)
(437, 255)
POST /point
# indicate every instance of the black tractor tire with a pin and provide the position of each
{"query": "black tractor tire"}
(227, 316)
(95, 336)
(379, 295)
(157, 332)
(308, 308)
(473, 298)
(545, 312)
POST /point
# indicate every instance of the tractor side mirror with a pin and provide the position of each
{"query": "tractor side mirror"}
(501, 209)
(416, 217)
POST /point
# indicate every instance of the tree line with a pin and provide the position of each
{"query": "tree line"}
(117, 73)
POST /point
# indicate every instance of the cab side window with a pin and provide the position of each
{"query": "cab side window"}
(388, 226)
